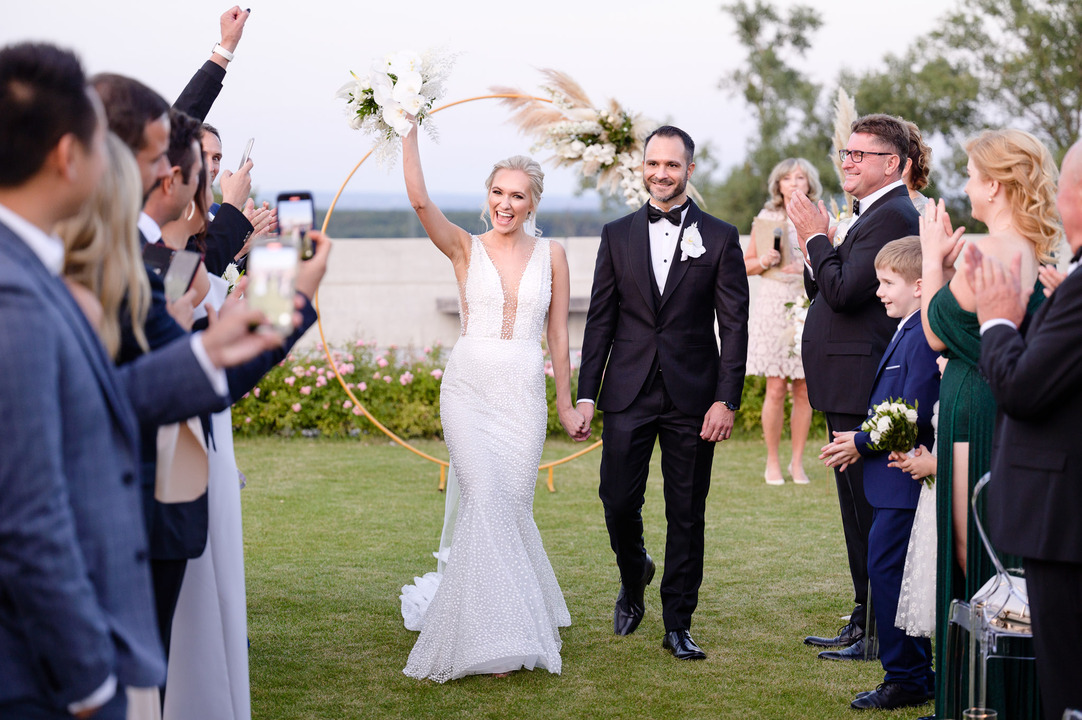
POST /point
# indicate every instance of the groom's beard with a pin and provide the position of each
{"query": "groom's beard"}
(665, 193)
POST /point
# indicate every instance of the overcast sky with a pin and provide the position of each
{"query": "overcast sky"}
(295, 55)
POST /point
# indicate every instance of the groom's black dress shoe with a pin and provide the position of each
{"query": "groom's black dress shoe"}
(630, 606)
(681, 645)
(853, 652)
(846, 636)
(889, 696)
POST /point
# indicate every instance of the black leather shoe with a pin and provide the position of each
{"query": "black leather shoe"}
(681, 645)
(889, 696)
(853, 652)
(846, 636)
(630, 606)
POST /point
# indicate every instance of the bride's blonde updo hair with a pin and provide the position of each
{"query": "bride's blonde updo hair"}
(533, 171)
(1024, 167)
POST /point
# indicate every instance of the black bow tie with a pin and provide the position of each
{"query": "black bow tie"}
(856, 206)
(675, 215)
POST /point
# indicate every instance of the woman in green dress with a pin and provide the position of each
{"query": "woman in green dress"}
(1012, 188)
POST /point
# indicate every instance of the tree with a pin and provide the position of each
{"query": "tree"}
(782, 100)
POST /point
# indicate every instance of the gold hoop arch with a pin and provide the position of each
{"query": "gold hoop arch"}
(443, 464)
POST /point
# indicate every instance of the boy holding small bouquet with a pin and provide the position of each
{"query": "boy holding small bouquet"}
(905, 391)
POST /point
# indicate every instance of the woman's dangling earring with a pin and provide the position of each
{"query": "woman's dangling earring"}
(191, 210)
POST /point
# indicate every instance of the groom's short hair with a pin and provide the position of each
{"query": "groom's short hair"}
(43, 97)
(673, 131)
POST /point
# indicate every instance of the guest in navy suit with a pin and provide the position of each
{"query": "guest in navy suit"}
(908, 373)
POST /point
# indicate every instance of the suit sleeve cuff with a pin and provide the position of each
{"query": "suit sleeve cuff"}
(99, 697)
(585, 400)
(997, 321)
(215, 375)
(215, 70)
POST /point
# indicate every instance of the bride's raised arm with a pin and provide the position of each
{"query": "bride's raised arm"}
(452, 241)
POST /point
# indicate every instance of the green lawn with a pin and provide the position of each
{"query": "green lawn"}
(333, 530)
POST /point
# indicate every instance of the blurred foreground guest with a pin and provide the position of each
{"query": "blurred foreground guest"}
(773, 338)
(1035, 496)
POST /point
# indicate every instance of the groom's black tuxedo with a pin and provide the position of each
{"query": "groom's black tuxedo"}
(845, 334)
(662, 371)
(1035, 495)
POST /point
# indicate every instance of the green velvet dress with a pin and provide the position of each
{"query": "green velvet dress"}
(967, 413)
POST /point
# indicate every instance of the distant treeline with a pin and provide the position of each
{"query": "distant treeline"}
(404, 223)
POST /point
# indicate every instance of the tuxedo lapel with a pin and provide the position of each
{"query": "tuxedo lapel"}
(638, 244)
(679, 268)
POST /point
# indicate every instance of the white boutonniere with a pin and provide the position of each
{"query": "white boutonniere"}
(231, 275)
(691, 244)
(843, 229)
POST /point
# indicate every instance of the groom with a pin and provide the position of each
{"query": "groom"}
(664, 274)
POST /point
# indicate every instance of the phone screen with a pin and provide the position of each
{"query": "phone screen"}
(296, 218)
(272, 274)
(181, 272)
(247, 153)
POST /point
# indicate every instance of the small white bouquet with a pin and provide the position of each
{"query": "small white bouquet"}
(397, 85)
(892, 426)
(797, 312)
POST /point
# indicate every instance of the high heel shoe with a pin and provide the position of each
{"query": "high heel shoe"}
(773, 480)
(801, 479)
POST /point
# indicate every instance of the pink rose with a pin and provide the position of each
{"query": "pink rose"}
(347, 404)
(274, 393)
(357, 410)
(386, 378)
(382, 362)
(290, 380)
(406, 378)
(306, 390)
(247, 420)
(296, 407)
(256, 392)
(437, 373)
(362, 386)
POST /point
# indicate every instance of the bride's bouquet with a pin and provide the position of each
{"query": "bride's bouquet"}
(397, 85)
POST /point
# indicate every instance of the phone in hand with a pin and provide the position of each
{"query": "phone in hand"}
(296, 218)
(272, 276)
(157, 257)
(181, 273)
(247, 153)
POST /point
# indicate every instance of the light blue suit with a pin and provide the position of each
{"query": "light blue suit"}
(75, 597)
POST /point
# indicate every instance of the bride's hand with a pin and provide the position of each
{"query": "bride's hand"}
(575, 423)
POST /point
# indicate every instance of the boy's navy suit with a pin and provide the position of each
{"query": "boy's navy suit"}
(907, 372)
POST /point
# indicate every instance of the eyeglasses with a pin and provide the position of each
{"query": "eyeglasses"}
(858, 155)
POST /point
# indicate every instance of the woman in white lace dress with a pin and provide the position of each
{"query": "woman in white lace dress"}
(496, 605)
(773, 331)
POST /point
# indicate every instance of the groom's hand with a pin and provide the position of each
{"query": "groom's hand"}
(587, 411)
(718, 423)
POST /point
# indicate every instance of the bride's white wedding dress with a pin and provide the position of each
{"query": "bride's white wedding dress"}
(496, 606)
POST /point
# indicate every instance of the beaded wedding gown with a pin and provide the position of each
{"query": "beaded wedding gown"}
(496, 606)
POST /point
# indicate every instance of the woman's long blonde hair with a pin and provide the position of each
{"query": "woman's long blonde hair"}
(102, 251)
(1024, 168)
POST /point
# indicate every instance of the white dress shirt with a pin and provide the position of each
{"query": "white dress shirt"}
(663, 238)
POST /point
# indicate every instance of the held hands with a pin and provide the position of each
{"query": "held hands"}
(718, 423)
(236, 186)
(996, 288)
(919, 466)
(574, 423)
(842, 452)
(586, 412)
(938, 241)
(808, 219)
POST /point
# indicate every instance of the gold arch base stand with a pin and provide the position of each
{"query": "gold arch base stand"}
(443, 464)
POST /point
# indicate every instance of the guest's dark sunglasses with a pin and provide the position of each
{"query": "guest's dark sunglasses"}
(858, 155)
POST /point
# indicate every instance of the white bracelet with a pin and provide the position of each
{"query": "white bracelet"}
(219, 50)
(764, 267)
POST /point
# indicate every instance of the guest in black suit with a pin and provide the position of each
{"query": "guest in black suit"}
(663, 275)
(1034, 500)
(847, 329)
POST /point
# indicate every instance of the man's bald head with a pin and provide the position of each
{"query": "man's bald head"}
(1069, 196)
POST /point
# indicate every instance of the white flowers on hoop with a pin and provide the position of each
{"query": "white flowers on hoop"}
(397, 85)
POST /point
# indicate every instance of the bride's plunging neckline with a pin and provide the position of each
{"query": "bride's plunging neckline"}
(510, 300)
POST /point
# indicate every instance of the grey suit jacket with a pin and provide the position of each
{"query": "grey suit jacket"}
(75, 598)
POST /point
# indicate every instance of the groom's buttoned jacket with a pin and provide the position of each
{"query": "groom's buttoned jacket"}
(632, 330)
(847, 329)
(75, 597)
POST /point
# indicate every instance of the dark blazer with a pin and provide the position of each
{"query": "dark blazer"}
(201, 91)
(75, 598)
(847, 329)
(1035, 495)
(908, 372)
(628, 329)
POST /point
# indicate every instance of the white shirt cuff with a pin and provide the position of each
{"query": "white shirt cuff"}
(585, 400)
(96, 699)
(997, 321)
(215, 375)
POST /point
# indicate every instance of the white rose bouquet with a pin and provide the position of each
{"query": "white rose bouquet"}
(397, 85)
(892, 426)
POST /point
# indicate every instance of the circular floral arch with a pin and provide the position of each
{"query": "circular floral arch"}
(443, 464)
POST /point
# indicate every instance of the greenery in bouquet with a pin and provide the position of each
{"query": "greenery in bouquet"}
(396, 86)
(797, 313)
(892, 426)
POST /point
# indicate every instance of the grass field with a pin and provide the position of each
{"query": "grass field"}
(334, 529)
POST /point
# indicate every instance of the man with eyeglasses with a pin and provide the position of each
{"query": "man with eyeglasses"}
(847, 328)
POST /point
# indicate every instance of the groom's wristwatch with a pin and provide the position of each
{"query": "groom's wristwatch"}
(729, 405)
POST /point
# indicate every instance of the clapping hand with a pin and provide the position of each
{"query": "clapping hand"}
(937, 238)
(807, 218)
(996, 288)
(1051, 278)
(842, 452)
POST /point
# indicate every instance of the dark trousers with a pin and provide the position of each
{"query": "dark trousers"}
(167, 577)
(685, 466)
(1055, 597)
(906, 660)
(856, 515)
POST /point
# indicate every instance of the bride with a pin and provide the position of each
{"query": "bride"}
(497, 606)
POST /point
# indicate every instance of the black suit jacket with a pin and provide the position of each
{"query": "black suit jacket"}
(847, 329)
(628, 330)
(1035, 495)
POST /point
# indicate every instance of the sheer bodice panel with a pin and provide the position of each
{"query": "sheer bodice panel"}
(509, 308)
